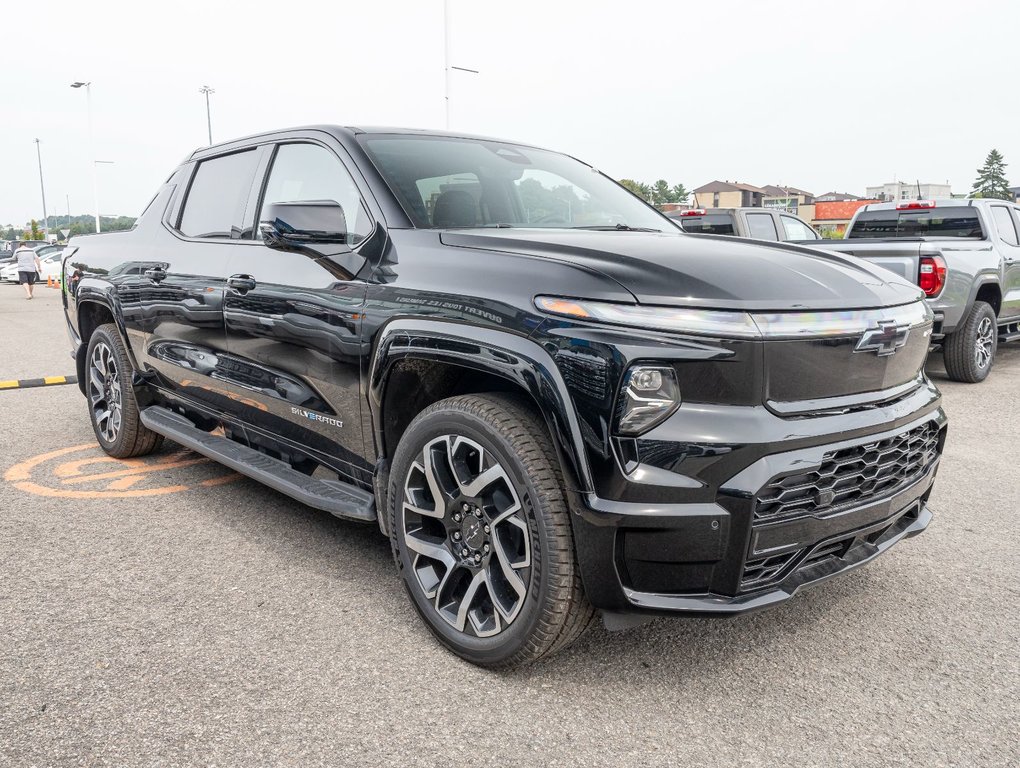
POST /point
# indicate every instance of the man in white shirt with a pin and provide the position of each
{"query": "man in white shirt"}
(28, 267)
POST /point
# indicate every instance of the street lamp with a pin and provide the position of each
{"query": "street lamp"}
(208, 117)
(92, 145)
(446, 56)
(42, 189)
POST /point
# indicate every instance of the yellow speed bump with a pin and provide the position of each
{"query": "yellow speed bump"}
(46, 381)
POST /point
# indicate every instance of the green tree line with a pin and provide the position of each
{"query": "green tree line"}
(658, 193)
(79, 225)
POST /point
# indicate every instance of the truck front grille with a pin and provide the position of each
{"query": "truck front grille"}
(851, 476)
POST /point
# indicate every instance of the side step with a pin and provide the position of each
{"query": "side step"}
(1009, 332)
(333, 496)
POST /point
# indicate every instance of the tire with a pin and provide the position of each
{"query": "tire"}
(113, 409)
(969, 351)
(460, 577)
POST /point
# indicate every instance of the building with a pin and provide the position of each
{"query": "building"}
(832, 216)
(909, 190)
(726, 194)
(836, 197)
(789, 199)
(1015, 191)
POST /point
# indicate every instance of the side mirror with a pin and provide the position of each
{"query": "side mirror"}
(302, 225)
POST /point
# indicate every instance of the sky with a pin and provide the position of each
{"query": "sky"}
(823, 96)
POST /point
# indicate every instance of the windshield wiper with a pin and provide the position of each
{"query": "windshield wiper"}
(618, 228)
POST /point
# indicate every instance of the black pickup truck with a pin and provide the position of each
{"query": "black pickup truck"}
(551, 400)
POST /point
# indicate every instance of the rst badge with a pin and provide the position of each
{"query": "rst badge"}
(884, 339)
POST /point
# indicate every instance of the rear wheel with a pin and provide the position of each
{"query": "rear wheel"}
(481, 531)
(113, 409)
(970, 350)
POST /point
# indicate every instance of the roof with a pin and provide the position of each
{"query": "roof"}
(830, 197)
(774, 190)
(727, 186)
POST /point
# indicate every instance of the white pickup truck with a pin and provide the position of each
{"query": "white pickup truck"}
(964, 254)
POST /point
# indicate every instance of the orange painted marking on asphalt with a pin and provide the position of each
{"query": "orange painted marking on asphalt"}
(35, 475)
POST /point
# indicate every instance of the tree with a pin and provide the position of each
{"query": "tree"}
(661, 193)
(991, 179)
(680, 193)
(36, 233)
(641, 190)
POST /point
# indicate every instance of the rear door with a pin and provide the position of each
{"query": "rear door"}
(1007, 243)
(761, 226)
(170, 287)
(795, 229)
(293, 321)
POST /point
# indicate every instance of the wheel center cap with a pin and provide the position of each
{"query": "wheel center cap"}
(472, 533)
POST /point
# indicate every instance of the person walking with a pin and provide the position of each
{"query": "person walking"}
(28, 267)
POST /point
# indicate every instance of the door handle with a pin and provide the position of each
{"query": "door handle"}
(241, 283)
(156, 274)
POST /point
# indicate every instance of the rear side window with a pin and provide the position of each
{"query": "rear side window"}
(948, 221)
(709, 224)
(1004, 223)
(797, 230)
(762, 226)
(217, 196)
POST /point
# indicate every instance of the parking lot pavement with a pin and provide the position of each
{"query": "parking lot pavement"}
(164, 611)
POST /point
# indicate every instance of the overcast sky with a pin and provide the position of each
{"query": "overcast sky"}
(823, 96)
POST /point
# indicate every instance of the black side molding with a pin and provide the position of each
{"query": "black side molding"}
(333, 496)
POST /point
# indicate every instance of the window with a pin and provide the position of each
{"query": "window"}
(947, 221)
(762, 226)
(455, 182)
(797, 229)
(218, 194)
(312, 172)
(1004, 223)
(709, 224)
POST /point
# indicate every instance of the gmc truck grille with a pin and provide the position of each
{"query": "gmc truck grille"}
(851, 476)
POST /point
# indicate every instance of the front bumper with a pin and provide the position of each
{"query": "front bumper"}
(701, 547)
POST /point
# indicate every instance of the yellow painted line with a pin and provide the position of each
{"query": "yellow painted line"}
(55, 379)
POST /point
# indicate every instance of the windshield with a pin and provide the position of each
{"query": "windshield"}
(446, 182)
(946, 221)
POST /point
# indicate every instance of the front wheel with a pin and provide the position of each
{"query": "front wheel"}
(970, 350)
(481, 531)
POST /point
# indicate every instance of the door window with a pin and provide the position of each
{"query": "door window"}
(217, 196)
(761, 226)
(312, 172)
(797, 229)
(1004, 223)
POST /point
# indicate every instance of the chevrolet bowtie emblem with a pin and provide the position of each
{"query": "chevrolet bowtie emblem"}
(884, 339)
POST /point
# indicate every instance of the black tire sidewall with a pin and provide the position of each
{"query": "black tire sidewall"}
(490, 650)
(961, 362)
(127, 404)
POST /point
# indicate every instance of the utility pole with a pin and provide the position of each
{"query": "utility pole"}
(42, 189)
(447, 67)
(92, 146)
(208, 116)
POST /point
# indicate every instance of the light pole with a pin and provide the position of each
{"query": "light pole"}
(208, 116)
(42, 189)
(92, 146)
(446, 58)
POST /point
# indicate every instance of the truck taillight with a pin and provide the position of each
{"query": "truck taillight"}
(932, 275)
(915, 205)
(693, 212)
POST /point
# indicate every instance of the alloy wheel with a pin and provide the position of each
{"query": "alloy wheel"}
(985, 343)
(465, 528)
(104, 391)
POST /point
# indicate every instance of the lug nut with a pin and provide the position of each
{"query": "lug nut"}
(486, 529)
(486, 547)
(478, 558)
(464, 552)
(456, 535)
(456, 517)
(466, 507)
(478, 512)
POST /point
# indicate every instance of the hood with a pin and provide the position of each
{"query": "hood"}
(706, 271)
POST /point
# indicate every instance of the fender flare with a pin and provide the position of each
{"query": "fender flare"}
(981, 280)
(510, 356)
(94, 291)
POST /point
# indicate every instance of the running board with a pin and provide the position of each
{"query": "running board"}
(333, 496)
(1010, 332)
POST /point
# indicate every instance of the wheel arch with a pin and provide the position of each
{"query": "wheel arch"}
(441, 359)
(988, 291)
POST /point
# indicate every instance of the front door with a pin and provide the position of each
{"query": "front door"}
(293, 322)
(1007, 222)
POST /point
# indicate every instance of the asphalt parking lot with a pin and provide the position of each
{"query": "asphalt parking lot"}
(165, 611)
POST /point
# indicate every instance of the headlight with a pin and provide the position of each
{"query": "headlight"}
(707, 322)
(650, 394)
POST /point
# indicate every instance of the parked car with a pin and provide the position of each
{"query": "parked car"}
(965, 255)
(50, 263)
(756, 223)
(551, 400)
